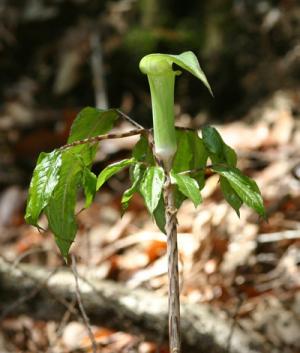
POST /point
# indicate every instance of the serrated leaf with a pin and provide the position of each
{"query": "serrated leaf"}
(142, 151)
(188, 186)
(151, 186)
(136, 175)
(61, 208)
(89, 181)
(230, 195)
(111, 170)
(45, 178)
(245, 187)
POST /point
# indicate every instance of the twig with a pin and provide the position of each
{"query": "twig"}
(173, 276)
(98, 138)
(81, 307)
(127, 118)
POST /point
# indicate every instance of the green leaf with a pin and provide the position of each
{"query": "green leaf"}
(188, 61)
(230, 195)
(212, 140)
(136, 175)
(200, 154)
(230, 155)
(188, 186)
(151, 186)
(45, 178)
(61, 208)
(89, 181)
(219, 152)
(245, 187)
(159, 215)
(112, 169)
(199, 158)
(91, 122)
(142, 151)
(184, 153)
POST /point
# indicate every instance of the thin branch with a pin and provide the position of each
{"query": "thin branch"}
(99, 138)
(81, 307)
(127, 118)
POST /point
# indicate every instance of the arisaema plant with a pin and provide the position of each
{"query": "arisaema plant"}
(167, 166)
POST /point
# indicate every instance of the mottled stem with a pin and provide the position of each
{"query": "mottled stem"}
(173, 277)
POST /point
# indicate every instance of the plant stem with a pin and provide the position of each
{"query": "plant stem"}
(173, 277)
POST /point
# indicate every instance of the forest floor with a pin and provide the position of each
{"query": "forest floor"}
(246, 268)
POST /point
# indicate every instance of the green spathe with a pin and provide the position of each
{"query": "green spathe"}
(161, 77)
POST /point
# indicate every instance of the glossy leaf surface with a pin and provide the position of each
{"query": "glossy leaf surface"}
(245, 187)
(230, 195)
(45, 178)
(136, 175)
(61, 208)
(151, 187)
(112, 169)
(89, 181)
(188, 186)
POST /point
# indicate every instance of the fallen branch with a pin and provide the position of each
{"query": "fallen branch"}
(113, 305)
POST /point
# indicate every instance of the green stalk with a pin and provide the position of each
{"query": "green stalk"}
(161, 79)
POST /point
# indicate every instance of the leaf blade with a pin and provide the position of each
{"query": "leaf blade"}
(112, 169)
(151, 186)
(188, 186)
(61, 208)
(245, 187)
(230, 195)
(45, 178)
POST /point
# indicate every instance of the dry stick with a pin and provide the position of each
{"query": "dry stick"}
(173, 276)
(81, 307)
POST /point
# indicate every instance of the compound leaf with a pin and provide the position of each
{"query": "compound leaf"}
(45, 178)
